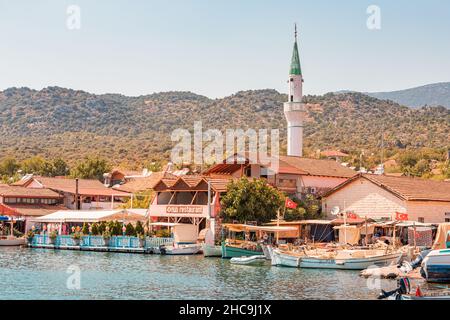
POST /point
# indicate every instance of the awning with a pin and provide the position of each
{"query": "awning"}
(88, 216)
(245, 227)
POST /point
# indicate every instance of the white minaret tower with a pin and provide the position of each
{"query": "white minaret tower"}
(294, 109)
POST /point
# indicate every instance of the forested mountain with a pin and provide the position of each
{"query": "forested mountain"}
(436, 94)
(58, 122)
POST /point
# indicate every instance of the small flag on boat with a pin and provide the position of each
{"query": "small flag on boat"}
(401, 216)
(419, 292)
(290, 204)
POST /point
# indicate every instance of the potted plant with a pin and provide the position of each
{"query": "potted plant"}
(52, 236)
(141, 238)
(106, 237)
(30, 236)
(76, 237)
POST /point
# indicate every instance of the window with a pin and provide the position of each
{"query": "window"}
(447, 219)
(421, 219)
(292, 79)
(292, 98)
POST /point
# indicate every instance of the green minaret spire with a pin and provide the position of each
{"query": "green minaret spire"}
(295, 62)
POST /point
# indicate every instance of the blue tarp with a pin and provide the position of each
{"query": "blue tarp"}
(4, 218)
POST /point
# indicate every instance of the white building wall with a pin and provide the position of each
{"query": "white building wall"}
(365, 199)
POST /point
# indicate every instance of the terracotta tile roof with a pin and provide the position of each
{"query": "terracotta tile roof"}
(15, 191)
(413, 188)
(30, 210)
(86, 187)
(218, 182)
(289, 165)
(407, 188)
(316, 167)
(143, 184)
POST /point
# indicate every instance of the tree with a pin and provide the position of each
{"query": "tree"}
(91, 168)
(85, 229)
(33, 165)
(95, 229)
(139, 229)
(9, 166)
(251, 200)
(60, 167)
(130, 230)
(140, 200)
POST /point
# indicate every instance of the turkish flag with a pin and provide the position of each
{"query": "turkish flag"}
(351, 215)
(401, 216)
(290, 204)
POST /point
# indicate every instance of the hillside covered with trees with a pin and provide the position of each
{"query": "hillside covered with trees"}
(131, 131)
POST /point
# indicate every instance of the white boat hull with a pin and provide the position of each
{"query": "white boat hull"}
(251, 260)
(182, 249)
(284, 259)
(211, 251)
(350, 264)
(13, 242)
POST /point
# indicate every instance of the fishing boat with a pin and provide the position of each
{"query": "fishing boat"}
(10, 240)
(403, 292)
(233, 247)
(251, 260)
(211, 250)
(243, 249)
(286, 259)
(351, 259)
(436, 266)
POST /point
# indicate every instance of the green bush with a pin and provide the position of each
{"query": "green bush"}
(163, 233)
(130, 231)
(139, 228)
(95, 229)
(85, 229)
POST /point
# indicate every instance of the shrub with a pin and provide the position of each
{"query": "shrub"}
(85, 229)
(95, 229)
(163, 233)
(139, 228)
(130, 231)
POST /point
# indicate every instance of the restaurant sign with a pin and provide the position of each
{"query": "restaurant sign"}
(184, 209)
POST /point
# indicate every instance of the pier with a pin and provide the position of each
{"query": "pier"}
(126, 244)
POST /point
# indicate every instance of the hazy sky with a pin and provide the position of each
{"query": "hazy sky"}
(216, 48)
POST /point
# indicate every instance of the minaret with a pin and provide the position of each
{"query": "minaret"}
(293, 109)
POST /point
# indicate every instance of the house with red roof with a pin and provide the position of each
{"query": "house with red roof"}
(84, 194)
(382, 196)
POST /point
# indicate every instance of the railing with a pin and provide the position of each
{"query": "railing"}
(99, 241)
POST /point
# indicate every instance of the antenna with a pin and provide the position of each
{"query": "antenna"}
(295, 31)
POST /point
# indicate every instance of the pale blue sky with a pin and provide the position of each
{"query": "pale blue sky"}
(216, 48)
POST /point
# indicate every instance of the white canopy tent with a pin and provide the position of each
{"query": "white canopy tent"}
(89, 216)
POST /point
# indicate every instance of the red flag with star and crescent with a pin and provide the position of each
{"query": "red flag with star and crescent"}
(290, 204)
(401, 216)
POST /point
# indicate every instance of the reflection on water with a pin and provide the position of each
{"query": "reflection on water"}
(42, 274)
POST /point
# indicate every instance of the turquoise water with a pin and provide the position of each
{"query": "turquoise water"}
(42, 274)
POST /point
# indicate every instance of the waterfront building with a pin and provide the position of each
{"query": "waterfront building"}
(185, 200)
(380, 196)
(27, 204)
(295, 176)
(87, 195)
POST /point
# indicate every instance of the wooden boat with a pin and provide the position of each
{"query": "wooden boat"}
(436, 266)
(231, 251)
(351, 260)
(12, 241)
(286, 259)
(211, 250)
(181, 249)
(250, 260)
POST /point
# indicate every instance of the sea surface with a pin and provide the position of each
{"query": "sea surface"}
(27, 273)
